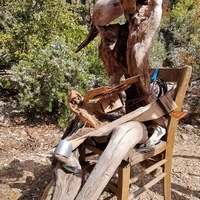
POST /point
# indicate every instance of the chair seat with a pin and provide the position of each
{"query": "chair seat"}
(134, 155)
(145, 153)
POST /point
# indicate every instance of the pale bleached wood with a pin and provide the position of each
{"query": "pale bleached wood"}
(105, 11)
(66, 183)
(123, 138)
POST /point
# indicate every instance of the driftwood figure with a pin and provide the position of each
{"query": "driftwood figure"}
(75, 102)
(124, 50)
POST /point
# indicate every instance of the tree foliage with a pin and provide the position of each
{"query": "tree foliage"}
(181, 32)
(38, 40)
(185, 19)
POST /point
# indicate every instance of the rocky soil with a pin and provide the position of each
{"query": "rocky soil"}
(25, 169)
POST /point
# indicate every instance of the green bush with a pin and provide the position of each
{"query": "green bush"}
(39, 40)
(185, 27)
(158, 52)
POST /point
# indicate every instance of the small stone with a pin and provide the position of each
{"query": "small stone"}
(23, 133)
(189, 127)
(1, 118)
(184, 136)
(2, 103)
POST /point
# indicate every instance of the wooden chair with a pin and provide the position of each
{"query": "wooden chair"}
(161, 155)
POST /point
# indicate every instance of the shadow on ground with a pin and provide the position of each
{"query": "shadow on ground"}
(29, 177)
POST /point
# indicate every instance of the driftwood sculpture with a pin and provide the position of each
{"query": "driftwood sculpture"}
(75, 102)
(124, 50)
(106, 98)
(68, 169)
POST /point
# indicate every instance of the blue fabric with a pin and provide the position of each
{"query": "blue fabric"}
(154, 74)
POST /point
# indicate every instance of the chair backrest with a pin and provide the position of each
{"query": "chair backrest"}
(181, 77)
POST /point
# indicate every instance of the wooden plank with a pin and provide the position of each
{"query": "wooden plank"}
(94, 149)
(108, 91)
(111, 103)
(178, 114)
(168, 74)
(113, 187)
(172, 128)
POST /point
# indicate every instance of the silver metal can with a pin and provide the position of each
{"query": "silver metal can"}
(64, 148)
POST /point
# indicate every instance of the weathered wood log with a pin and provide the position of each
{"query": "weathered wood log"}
(67, 179)
(123, 138)
(67, 184)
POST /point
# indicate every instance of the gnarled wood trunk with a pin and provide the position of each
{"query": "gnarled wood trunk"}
(143, 22)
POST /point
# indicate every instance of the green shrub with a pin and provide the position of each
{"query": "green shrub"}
(158, 52)
(39, 39)
(185, 27)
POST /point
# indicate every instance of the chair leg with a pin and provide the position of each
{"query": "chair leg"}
(124, 171)
(167, 180)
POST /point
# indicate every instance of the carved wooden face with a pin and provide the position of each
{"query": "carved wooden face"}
(74, 98)
(109, 34)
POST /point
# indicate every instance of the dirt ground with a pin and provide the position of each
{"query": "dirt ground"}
(25, 170)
